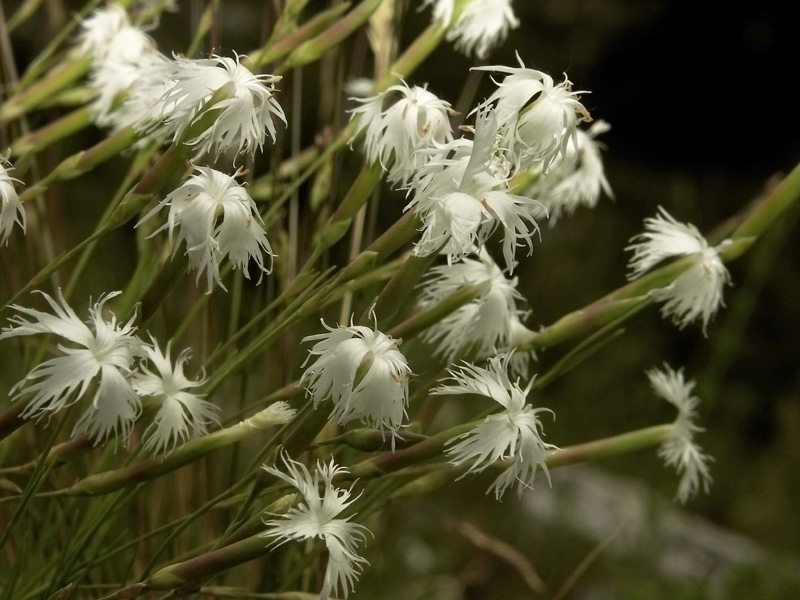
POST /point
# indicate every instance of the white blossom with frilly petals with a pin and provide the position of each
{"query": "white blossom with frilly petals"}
(484, 322)
(481, 25)
(180, 409)
(344, 354)
(11, 209)
(576, 178)
(100, 29)
(512, 434)
(102, 352)
(680, 451)
(396, 133)
(462, 196)
(316, 517)
(216, 218)
(696, 293)
(538, 117)
(246, 112)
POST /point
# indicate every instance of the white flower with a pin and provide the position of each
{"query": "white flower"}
(484, 322)
(362, 372)
(180, 408)
(316, 518)
(396, 133)
(118, 64)
(513, 434)
(576, 178)
(681, 451)
(537, 117)
(697, 293)
(99, 31)
(216, 218)
(462, 196)
(101, 352)
(481, 25)
(245, 113)
(11, 209)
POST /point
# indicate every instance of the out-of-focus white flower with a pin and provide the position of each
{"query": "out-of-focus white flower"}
(316, 517)
(101, 28)
(481, 25)
(245, 114)
(485, 322)
(680, 451)
(697, 293)
(538, 117)
(512, 434)
(180, 409)
(129, 56)
(462, 195)
(399, 123)
(362, 371)
(576, 178)
(11, 209)
(102, 352)
(216, 218)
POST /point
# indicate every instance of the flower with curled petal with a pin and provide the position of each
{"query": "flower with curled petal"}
(697, 292)
(511, 435)
(362, 371)
(180, 408)
(316, 517)
(462, 196)
(681, 451)
(216, 217)
(11, 209)
(100, 352)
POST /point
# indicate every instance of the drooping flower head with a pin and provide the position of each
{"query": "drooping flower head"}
(316, 517)
(480, 26)
(513, 434)
(680, 451)
(486, 322)
(538, 117)
(11, 209)
(462, 196)
(216, 218)
(181, 409)
(99, 352)
(100, 29)
(577, 177)
(697, 293)
(362, 372)
(245, 115)
(398, 124)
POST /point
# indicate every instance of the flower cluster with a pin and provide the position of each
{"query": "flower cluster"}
(697, 293)
(105, 358)
(316, 517)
